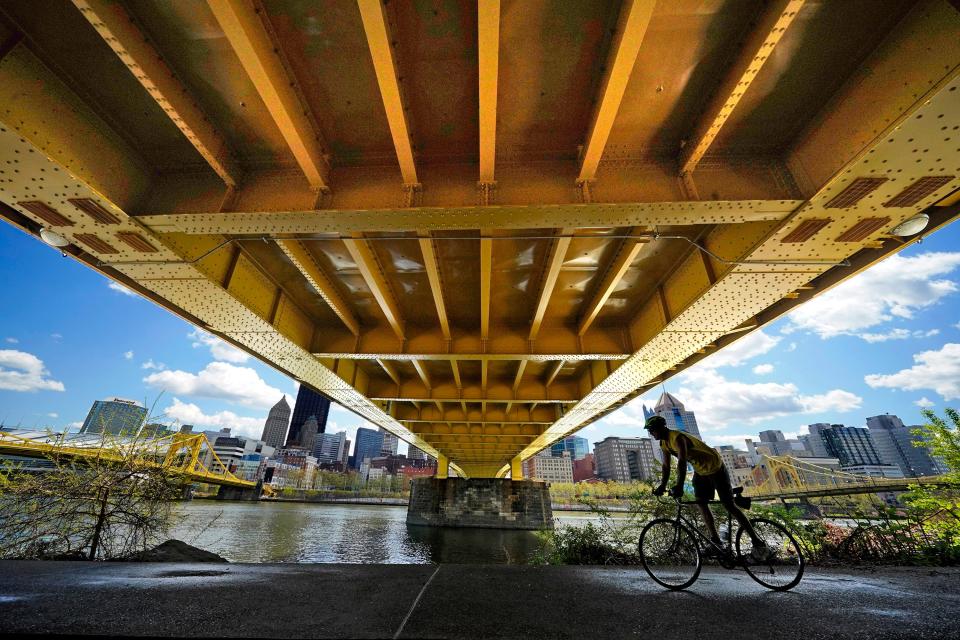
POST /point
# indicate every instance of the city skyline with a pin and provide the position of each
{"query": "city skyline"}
(886, 341)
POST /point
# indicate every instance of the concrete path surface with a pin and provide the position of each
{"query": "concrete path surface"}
(466, 601)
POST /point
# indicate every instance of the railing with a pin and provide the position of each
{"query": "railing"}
(177, 453)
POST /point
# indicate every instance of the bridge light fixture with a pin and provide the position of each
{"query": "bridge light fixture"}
(911, 226)
(53, 238)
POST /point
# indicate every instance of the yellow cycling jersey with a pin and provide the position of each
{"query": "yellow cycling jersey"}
(704, 460)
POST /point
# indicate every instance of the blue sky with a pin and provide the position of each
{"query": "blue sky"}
(887, 340)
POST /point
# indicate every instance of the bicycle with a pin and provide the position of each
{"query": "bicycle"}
(671, 550)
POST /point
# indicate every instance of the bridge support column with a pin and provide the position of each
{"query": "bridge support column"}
(491, 503)
(516, 469)
(443, 467)
(240, 493)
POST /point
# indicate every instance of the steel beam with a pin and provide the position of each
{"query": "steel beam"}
(488, 56)
(631, 28)
(260, 58)
(390, 370)
(758, 48)
(554, 371)
(626, 254)
(410, 219)
(369, 268)
(558, 253)
(436, 284)
(304, 261)
(486, 265)
(147, 65)
(372, 12)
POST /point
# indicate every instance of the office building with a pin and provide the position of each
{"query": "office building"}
(240, 455)
(852, 446)
(895, 443)
(548, 467)
(390, 443)
(275, 428)
(330, 447)
(583, 469)
(676, 415)
(309, 403)
(115, 416)
(308, 434)
(813, 442)
(626, 459)
(414, 453)
(369, 444)
(774, 443)
(576, 446)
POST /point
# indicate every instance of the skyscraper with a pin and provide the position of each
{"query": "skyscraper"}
(676, 415)
(414, 453)
(894, 442)
(852, 446)
(114, 416)
(369, 444)
(576, 446)
(329, 447)
(275, 428)
(309, 403)
(390, 443)
(309, 433)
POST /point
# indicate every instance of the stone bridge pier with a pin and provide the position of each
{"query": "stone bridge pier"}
(493, 503)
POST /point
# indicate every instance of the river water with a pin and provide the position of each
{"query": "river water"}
(312, 532)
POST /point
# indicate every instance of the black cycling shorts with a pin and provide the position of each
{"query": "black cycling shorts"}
(704, 486)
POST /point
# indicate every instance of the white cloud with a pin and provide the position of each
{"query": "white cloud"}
(116, 286)
(924, 403)
(937, 370)
(957, 326)
(53, 415)
(150, 364)
(898, 334)
(219, 349)
(21, 371)
(128, 355)
(12, 341)
(718, 401)
(895, 288)
(74, 425)
(56, 336)
(241, 385)
(763, 369)
(189, 413)
(750, 346)
(791, 347)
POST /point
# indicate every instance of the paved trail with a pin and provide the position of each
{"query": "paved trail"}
(466, 601)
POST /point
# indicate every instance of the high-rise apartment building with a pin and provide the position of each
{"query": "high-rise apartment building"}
(852, 446)
(626, 459)
(895, 443)
(390, 443)
(369, 445)
(576, 446)
(115, 416)
(676, 415)
(329, 447)
(275, 428)
(548, 467)
(309, 403)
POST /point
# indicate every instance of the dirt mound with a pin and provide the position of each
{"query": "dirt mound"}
(175, 551)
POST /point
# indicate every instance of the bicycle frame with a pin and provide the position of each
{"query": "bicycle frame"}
(696, 530)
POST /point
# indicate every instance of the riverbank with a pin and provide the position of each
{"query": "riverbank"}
(464, 601)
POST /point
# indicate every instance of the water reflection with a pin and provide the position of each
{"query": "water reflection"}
(292, 532)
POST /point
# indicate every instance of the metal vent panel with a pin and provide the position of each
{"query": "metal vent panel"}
(137, 241)
(93, 209)
(806, 230)
(46, 213)
(863, 229)
(857, 191)
(95, 243)
(917, 191)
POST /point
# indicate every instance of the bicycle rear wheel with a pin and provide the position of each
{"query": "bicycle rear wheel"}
(670, 553)
(783, 568)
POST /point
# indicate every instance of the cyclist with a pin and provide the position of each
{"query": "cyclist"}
(709, 476)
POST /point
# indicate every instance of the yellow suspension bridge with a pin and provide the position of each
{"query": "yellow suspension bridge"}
(789, 477)
(178, 453)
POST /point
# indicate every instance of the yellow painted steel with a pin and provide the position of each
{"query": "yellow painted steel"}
(177, 454)
(480, 322)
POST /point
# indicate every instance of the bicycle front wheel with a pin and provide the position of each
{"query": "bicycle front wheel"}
(670, 553)
(781, 566)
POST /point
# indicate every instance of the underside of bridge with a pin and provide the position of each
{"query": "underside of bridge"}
(480, 227)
